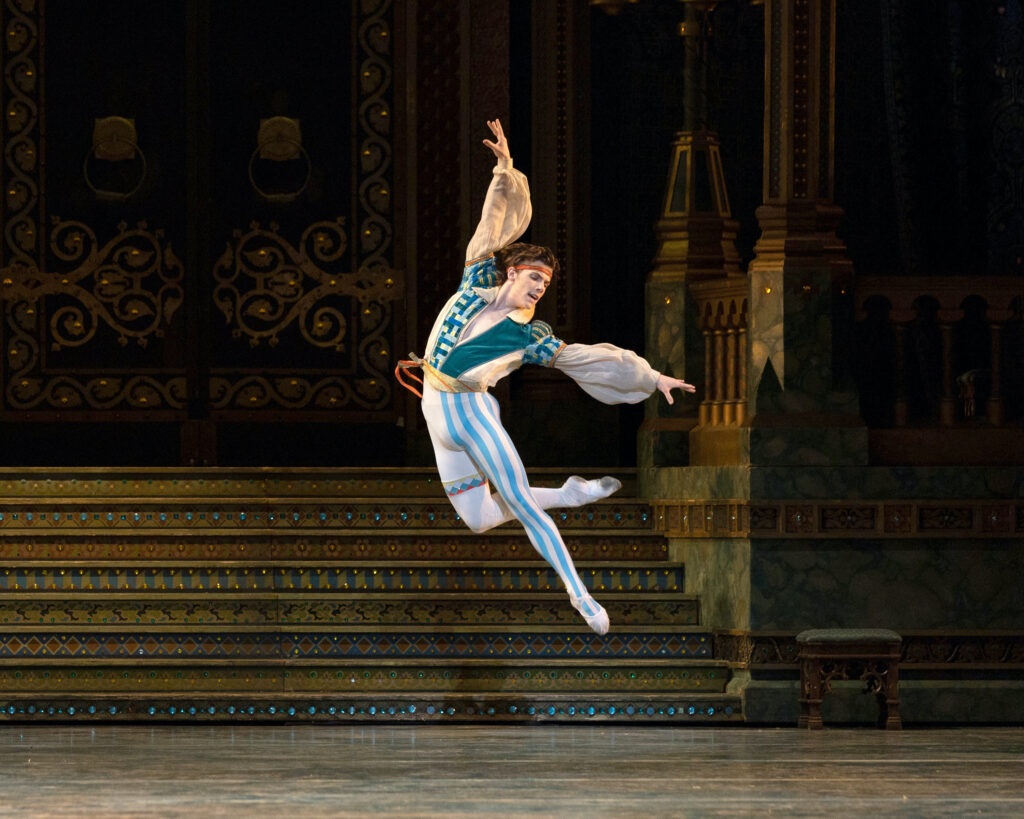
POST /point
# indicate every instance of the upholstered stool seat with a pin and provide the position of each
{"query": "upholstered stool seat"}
(868, 654)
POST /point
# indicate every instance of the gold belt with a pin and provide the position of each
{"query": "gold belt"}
(437, 379)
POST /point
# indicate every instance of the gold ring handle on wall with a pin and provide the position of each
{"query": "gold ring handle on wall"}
(279, 139)
(283, 196)
(114, 139)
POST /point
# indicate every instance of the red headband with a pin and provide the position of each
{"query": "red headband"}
(533, 267)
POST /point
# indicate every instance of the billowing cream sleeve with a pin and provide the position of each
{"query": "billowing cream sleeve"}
(506, 212)
(608, 373)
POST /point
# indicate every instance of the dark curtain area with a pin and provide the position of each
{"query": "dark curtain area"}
(954, 116)
(863, 170)
(637, 105)
(638, 88)
(930, 173)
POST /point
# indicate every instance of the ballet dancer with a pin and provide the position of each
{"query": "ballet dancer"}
(485, 331)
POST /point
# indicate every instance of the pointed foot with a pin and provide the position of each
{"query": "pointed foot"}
(576, 491)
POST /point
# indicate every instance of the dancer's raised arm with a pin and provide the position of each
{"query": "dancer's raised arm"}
(507, 210)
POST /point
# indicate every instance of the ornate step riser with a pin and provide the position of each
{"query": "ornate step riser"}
(684, 708)
(299, 645)
(179, 596)
(119, 611)
(405, 546)
(118, 514)
(350, 678)
(252, 483)
(380, 578)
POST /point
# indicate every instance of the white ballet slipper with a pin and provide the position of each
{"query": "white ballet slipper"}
(576, 491)
(597, 621)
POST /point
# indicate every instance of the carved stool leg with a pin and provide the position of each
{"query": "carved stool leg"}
(892, 698)
(802, 720)
(810, 689)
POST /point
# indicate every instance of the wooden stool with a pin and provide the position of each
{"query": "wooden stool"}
(869, 654)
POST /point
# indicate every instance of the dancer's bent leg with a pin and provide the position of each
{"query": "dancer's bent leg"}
(469, 491)
(482, 510)
(472, 422)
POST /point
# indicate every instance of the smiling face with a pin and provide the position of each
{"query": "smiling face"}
(527, 283)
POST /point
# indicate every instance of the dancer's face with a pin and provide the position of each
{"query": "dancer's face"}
(527, 283)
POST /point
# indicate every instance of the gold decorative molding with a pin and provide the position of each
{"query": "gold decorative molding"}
(130, 284)
(839, 519)
(265, 285)
(59, 291)
(921, 650)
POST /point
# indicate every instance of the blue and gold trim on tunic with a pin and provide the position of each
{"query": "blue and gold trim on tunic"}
(541, 346)
(480, 273)
(545, 347)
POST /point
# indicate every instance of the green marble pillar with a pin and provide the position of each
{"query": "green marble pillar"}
(696, 242)
(673, 346)
(801, 412)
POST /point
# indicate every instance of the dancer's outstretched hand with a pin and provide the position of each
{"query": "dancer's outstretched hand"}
(500, 146)
(667, 384)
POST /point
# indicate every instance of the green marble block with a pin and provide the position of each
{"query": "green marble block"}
(905, 585)
(674, 346)
(803, 410)
(731, 482)
(718, 572)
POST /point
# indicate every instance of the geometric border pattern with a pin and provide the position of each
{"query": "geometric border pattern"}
(218, 578)
(839, 519)
(349, 678)
(189, 514)
(925, 651)
(160, 483)
(535, 609)
(413, 708)
(142, 646)
(458, 545)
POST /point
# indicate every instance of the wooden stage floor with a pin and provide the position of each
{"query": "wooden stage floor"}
(445, 770)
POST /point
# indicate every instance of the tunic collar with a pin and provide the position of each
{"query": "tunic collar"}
(524, 315)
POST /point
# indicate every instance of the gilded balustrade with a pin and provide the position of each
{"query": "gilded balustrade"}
(947, 304)
(722, 306)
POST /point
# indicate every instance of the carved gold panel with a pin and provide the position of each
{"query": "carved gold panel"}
(95, 316)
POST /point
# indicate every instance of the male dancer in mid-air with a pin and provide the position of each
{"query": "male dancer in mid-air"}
(482, 334)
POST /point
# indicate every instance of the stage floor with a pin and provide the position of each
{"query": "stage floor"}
(307, 770)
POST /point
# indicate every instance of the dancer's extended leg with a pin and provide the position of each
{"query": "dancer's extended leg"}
(482, 510)
(472, 423)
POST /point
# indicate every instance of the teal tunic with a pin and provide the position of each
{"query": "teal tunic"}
(534, 340)
(503, 338)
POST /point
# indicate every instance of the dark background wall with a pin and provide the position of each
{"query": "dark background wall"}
(928, 164)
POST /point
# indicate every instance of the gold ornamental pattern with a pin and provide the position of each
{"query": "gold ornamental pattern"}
(20, 202)
(266, 285)
(130, 284)
(21, 126)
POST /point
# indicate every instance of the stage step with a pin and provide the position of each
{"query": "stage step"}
(246, 643)
(365, 676)
(456, 544)
(677, 707)
(215, 577)
(260, 483)
(325, 595)
(442, 610)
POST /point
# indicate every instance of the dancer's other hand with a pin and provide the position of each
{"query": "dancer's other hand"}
(667, 384)
(500, 146)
